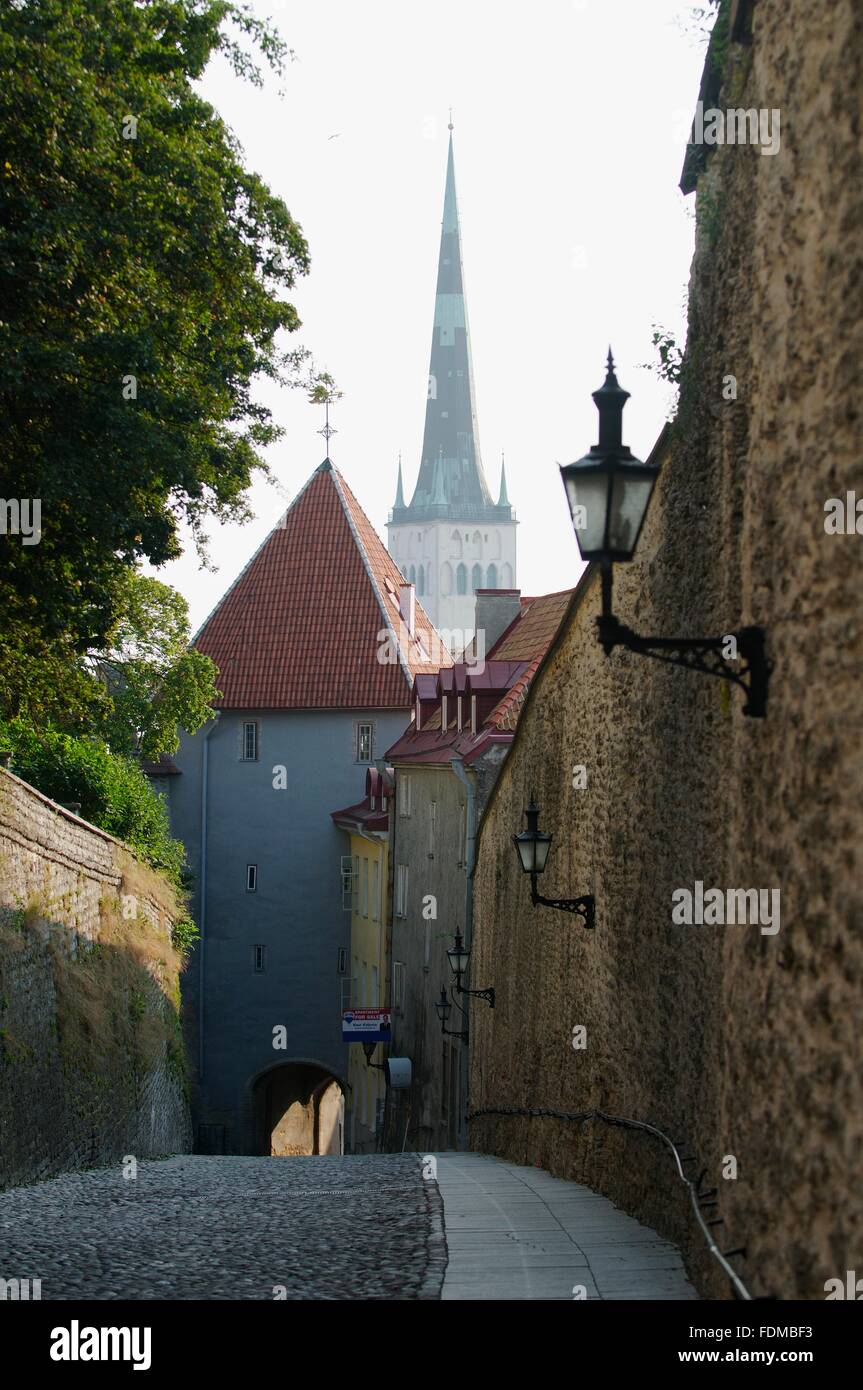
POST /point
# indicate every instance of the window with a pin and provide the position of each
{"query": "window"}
(364, 743)
(343, 960)
(250, 742)
(260, 957)
(251, 878)
(444, 714)
(491, 581)
(365, 889)
(376, 891)
(398, 984)
(404, 795)
(476, 578)
(461, 580)
(421, 586)
(350, 881)
(401, 890)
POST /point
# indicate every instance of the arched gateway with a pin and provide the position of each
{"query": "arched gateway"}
(298, 1108)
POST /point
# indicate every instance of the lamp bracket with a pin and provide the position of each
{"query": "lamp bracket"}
(703, 654)
(585, 907)
(486, 994)
(452, 1033)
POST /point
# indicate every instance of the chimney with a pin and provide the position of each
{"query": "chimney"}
(407, 607)
(495, 610)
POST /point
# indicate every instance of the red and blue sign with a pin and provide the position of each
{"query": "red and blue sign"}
(366, 1025)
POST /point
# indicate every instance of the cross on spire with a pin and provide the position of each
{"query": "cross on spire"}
(328, 430)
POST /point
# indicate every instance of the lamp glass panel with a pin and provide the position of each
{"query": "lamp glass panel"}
(543, 845)
(587, 494)
(630, 494)
(458, 960)
(526, 846)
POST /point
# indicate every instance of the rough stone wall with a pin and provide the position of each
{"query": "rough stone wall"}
(91, 1061)
(733, 1041)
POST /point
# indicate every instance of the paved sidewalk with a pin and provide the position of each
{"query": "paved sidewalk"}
(519, 1233)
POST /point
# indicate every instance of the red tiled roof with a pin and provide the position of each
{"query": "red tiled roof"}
(299, 628)
(509, 667)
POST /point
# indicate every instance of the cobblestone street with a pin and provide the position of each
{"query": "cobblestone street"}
(329, 1228)
(230, 1228)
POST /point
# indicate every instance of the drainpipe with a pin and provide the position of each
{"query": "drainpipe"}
(469, 785)
(202, 905)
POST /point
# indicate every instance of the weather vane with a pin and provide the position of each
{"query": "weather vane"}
(328, 431)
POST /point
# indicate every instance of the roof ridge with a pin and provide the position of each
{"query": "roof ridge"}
(279, 526)
(338, 481)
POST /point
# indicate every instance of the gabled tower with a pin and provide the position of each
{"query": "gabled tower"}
(452, 539)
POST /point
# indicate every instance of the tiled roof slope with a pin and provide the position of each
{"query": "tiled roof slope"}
(510, 665)
(299, 627)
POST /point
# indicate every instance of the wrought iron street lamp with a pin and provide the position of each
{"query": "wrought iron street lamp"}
(443, 1009)
(532, 846)
(608, 492)
(458, 959)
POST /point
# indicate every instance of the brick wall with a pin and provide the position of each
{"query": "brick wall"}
(735, 1042)
(91, 1064)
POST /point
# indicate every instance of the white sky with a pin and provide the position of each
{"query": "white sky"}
(570, 127)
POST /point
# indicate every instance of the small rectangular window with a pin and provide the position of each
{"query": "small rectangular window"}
(364, 743)
(250, 742)
(260, 954)
(401, 890)
(251, 878)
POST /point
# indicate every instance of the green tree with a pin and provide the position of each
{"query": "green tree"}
(144, 273)
(155, 683)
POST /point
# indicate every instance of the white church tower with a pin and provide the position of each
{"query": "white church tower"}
(452, 539)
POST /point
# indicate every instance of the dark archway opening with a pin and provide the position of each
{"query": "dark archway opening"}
(298, 1109)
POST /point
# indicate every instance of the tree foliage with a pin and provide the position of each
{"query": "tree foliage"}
(144, 275)
(112, 791)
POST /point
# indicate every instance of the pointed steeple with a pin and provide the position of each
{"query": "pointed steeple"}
(400, 495)
(503, 500)
(451, 481)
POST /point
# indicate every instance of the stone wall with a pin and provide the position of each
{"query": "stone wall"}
(736, 1042)
(91, 1060)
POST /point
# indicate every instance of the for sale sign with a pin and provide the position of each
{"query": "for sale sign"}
(365, 1025)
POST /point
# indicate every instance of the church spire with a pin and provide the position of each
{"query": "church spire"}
(451, 481)
(503, 500)
(400, 495)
